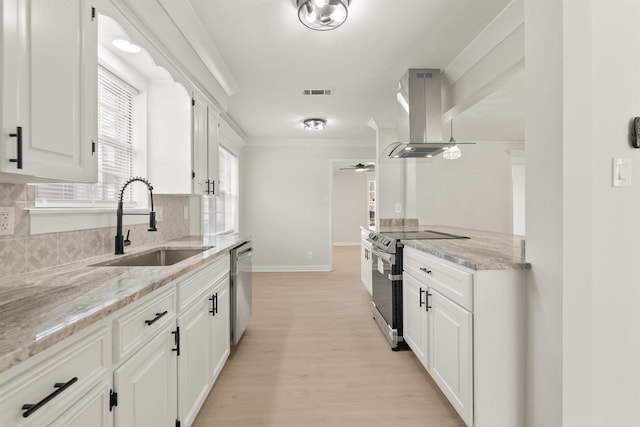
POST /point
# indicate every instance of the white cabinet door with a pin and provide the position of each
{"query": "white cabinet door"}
(366, 264)
(92, 410)
(221, 328)
(194, 360)
(146, 385)
(213, 156)
(451, 352)
(199, 149)
(415, 330)
(49, 89)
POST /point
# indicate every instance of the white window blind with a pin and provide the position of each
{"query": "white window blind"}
(227, 200)
(114, 150)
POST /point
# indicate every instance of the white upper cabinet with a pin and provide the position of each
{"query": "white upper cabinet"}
(49, 90)
(205, 146)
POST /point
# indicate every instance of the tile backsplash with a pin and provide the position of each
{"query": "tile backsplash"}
(22, 252)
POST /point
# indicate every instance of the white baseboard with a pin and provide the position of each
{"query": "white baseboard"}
(288, 268)
(346, 244)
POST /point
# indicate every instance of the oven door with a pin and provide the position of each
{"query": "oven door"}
(382, 284)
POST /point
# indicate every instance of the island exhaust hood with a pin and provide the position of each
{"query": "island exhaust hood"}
(419, 116)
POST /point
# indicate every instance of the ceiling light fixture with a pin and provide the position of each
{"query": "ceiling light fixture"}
(126, 46)
(452, 152)
(323, 15)
(315, 124)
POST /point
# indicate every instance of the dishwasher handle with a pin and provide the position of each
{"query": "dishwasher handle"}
(246, 252)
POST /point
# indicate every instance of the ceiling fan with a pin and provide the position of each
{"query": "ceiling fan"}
(360, 167)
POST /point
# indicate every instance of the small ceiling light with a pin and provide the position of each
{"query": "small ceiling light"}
(452, 152)
(126, 46)
(315, 124)
(323, 15)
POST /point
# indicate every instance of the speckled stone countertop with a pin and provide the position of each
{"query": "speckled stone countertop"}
(483, 250)
(41, 308)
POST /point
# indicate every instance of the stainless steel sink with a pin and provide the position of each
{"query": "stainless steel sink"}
(158, 257)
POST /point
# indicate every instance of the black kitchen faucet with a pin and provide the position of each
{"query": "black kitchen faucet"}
(120, 213)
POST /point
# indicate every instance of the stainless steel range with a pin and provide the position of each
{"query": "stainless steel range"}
(387, 278)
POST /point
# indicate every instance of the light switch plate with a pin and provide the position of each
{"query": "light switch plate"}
(621, 172)
(6, 221)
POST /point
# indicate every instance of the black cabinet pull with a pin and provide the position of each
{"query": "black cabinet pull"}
(208, 184)
(213, 187)
(176, 335)
(427, 306)
(155, 319)
(213, 305)
(425, 270)
(18, 136)
(30, 408)
(422, 292)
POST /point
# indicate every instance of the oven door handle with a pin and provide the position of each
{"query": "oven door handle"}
(388, 258)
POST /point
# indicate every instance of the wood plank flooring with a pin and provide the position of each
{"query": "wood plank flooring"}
(313, 356)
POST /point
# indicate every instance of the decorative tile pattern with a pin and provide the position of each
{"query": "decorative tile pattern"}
(42, 251)
(12, 193)
(70, 246)
(13, 254)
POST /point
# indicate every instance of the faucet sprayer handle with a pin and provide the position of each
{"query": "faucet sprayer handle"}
(152, 221)
(127, 242)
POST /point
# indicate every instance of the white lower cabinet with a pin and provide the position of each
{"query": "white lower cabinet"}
(146, 385)
(194, 359)
(415, 318)
(467, 329)
(221, 329)
(92, 410)
(150, 364)
(451, 352)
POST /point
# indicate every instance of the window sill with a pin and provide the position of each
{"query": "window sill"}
(57, 220)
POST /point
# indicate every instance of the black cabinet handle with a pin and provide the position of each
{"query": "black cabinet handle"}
(30, 408)
(422, 292)
(425, 270)
(155, 319)
(427, 300)
(208, 184)
(176, 335)
(213, 305)
(213, 187)
(18, 136)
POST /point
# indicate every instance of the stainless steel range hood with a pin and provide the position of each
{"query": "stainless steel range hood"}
(419, 116)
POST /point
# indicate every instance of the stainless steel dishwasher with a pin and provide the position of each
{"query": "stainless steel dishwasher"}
(240, 290)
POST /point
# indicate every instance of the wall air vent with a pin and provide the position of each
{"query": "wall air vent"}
(318, 92)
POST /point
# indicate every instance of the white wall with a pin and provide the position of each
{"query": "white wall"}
(285, 194)
(474, 191)
(349, 206)
(615, 237)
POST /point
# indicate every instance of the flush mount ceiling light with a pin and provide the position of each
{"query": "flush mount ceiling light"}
(323, 15)
(315, 124)
(126, 46)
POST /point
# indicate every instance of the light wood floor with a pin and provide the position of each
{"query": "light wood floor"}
(313, 356)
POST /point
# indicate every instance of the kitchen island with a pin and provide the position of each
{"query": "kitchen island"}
(463, 313)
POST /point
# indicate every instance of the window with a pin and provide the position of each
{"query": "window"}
(115, 151)
(227, 200)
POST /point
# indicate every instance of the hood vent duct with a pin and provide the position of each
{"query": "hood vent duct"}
(419, 116)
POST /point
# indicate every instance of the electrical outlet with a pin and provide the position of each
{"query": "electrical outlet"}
(159, 213)
(398, 207)
(6, 221)
(309, 255)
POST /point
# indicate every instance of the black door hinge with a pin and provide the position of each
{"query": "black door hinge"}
(93, 147)
(176, 334)
(177, 423)
(93, 13)
(113, 400)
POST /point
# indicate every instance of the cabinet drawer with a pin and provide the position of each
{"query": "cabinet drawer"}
(190, 288)
(452, 282)
(78, 365)
(142, 322)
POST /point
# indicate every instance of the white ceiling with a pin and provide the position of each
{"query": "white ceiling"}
(273, 57)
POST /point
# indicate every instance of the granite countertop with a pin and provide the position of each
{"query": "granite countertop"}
(41, 308)
(483, 250)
